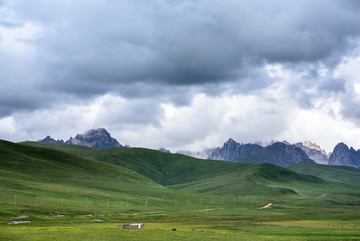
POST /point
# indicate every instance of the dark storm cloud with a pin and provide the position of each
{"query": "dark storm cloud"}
(169, 48)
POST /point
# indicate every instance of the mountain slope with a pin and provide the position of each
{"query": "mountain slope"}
(342, 174)
(278, 153)
(46, 175)
(281, 154)
(314, 152)
(231, 151)
(98, 138)
(345, 156)
(208, 176)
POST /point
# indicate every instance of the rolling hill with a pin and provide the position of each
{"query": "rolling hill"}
(342, 174)
(45, 178)
(181, 172)
(32, 176)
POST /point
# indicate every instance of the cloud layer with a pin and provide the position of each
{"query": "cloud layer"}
(137, 59)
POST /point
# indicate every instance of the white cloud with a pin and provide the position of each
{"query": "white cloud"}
(181, 75)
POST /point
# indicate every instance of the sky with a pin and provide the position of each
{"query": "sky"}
(181, 74)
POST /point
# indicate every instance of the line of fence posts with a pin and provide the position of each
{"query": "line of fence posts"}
(244, 198)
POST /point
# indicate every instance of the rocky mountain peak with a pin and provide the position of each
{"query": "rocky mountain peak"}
(162, 149)
(314, 151)
(99, 138)
(98, 131)
(314, 146)
(345, 156)
(48, 139)
(277, 153)
(231, 142)
(342, 146)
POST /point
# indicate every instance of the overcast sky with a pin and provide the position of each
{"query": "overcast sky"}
(181, 74)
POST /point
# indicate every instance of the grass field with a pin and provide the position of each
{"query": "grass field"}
(342, 174)
(225, 224)
(61, 188)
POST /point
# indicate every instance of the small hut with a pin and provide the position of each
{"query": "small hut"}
(132, 226)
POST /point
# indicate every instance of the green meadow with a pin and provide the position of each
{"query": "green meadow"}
(61, 189)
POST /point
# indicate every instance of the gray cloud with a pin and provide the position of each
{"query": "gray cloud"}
(9, 24)
(170, 50)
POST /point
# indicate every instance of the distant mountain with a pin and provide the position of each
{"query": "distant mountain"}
(314, 152)
(231, 151)
(345, 156)
(98, 138)
(278, 153)
(162, 149)
(48, 139)
(204, 154)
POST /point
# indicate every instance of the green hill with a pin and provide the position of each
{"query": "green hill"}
(68, 179)
(208, 176)
(342, 174)
(63, 190)
(59, 181)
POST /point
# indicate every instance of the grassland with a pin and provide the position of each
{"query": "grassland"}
(341, 174)
(61, 188)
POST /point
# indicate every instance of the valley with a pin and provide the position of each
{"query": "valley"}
(61, 189)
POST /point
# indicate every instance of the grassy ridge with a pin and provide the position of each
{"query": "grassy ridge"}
(211, 177)
(112, 184)
(342, 174)
(31, 177)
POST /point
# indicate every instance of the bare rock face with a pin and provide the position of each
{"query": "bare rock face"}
(314, 152)
(282, 155)
(98, 138)
(48, 139)
(345, 156)
(278, 153)
(231, 151)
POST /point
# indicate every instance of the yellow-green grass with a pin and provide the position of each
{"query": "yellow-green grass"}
(60, 188)
(261, 181)
(217, 225)
(42, 181)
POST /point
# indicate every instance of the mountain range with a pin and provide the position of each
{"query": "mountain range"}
(314, 152)
(278, 153)
(98, 138)
(345, 156)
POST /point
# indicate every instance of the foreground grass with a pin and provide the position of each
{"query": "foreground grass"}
(224, 224)
(60, 193)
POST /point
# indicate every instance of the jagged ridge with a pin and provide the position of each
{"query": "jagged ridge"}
(98, 138)
(278, 153)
